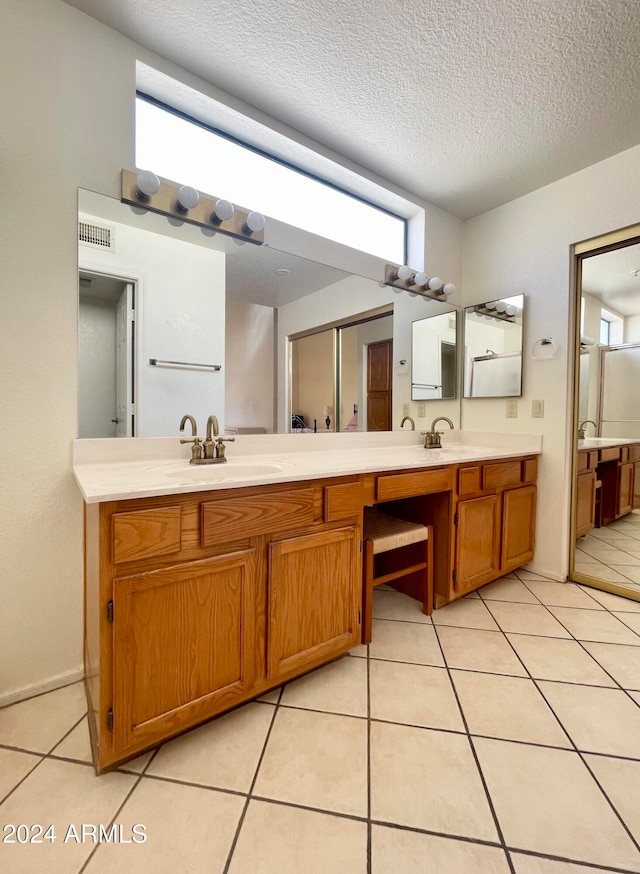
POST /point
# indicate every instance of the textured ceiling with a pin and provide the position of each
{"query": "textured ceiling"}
(465, 103)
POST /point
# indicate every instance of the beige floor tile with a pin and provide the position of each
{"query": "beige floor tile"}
(414, 695)
(535, 865)
(554, 659)
(276, 839)
(596, 625)
(547, 801)
(137, 765)
(429, 780)
(622, 662)
(397, 850)
(13, 767)
(395, 605)
(620, 779)
(340, 687)
(507, 707)
(527, 619)
(632, 573)
(76, 745)
(61, 794)
(599, 571)
(597, 720)
(523, 574)
(610, 534)
(612, 602)
(318, 760)
(475, 650)
(271, 697)
(635, 696)
(405, 642)
(562, 594)
(632, 621)
(465, 613)
(186, 829)
(360, 651)
(39, 723)
(508, 589)
(614, 557)
(223, 753)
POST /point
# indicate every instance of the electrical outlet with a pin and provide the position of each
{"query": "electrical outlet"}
(537, 409)
(405, 409)
(512, 409)
(422, 411)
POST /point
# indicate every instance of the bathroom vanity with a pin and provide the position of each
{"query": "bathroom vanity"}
(204, 589)
(608, 481)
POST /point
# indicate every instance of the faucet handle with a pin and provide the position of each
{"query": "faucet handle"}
(196, 449)
(221, 448)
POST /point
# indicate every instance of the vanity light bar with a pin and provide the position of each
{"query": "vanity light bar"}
(185, 203)
(416, 282)
(493, 313)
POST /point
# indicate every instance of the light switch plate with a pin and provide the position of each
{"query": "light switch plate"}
(405, 409)
(512, 409)
(421, 411)
(537, 409)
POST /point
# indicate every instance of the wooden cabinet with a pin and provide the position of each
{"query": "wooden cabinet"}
(624, 497)
(314, 600)
(182, 644)
(585, 502)
(494, 518)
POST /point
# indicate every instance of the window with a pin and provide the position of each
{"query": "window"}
(605, 329)
(186, 151)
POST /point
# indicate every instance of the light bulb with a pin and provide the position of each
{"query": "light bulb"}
(435, 283)
(403, 273)
(420, 279)
(449, 288)
(491, 305)
(148, 183)
(510, 310)
(188, 198)
(501, 306)
(255, 222)
(223, 211)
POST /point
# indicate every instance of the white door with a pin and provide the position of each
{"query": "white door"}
(124, 363)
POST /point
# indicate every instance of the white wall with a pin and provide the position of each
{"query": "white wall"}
(524, 247)
(632, 329)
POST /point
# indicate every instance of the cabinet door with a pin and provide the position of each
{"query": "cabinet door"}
(636, 485)
(585, 502)
(518, 527)
(183, 646)
(477, 543)
(624, 503)
(315, 585)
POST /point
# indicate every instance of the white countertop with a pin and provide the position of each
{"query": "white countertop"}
(604, 442)
(116, 469)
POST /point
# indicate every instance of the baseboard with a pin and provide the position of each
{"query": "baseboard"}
(34, 689)
(541, 572)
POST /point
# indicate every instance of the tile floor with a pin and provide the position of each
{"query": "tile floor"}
(502, 735)
(612, 553)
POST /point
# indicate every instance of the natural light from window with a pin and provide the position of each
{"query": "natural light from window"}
(184, 152)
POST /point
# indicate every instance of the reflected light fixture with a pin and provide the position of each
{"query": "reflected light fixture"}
(188, 198)
(254, 223)
(223, 211)
(416, 282)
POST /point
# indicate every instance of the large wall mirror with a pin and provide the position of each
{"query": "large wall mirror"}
(493, 348)
(606, 492)
(176, 319)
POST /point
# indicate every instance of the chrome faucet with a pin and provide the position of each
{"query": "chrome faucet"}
(581, 428)
(408, 419)
(432, 437)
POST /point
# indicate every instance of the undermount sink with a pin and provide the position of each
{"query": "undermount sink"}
(229, 471)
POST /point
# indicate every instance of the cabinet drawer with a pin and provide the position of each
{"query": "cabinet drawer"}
(501, 475)
(407, 485)
(612, 453)
(634, 452)
(469, 480)
(529, 470)
(342, 501)
(145, 533)
(234, 518)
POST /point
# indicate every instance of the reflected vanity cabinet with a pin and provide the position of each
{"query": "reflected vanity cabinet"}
(195, 603)
(494, 522)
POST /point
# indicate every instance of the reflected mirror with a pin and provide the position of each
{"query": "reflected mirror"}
(434, 357)
(493, 348)
(177, 319)
(607, 480)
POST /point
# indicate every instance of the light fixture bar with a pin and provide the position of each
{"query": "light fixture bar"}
(247, 226)
(416, 283)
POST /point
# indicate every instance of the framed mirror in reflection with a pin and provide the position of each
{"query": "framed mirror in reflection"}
(176, 319)
(607, 478)
(493, 348)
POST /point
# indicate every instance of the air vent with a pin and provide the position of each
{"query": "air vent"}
(96, 236)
